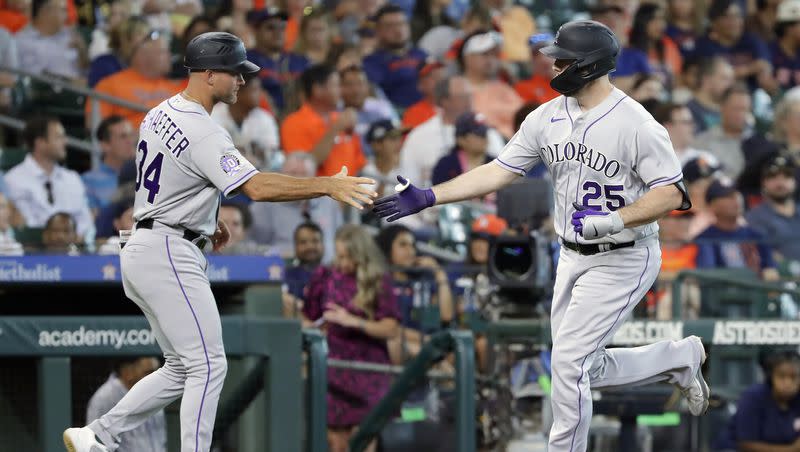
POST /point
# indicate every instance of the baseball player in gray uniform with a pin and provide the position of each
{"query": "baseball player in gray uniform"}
(614, 173)
(185, 161)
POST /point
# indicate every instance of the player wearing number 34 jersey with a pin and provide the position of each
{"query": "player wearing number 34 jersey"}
(614, 173)
(184, 162)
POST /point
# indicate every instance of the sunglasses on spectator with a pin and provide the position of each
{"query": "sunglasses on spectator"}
(153, 35)
(309, 10)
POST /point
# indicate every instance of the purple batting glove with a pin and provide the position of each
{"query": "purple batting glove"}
(592, 223)
(582, 212)
(407, 201)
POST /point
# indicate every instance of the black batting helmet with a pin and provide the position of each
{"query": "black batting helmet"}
(591, 45)
(218, 51)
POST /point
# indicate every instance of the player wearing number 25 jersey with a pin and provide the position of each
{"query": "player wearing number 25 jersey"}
(614, 174)
(185, 161)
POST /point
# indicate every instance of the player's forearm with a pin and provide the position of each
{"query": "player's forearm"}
(480, 181)
(652, 206)
(275, 187)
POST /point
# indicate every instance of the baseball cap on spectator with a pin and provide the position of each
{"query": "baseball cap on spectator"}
(381, 129)
(488, 226)
(428, 66)
(776, 165)
(719, 189)
(482, 42)
(719, 8)
(788, 11)
(699, 168)
(256, 17)
(470, 122)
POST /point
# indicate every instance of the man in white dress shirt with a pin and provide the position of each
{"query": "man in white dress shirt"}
(40, 187)
(253, 129)
(435, 138)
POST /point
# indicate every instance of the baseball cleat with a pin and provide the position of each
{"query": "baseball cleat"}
(82, 440)
(697, 392)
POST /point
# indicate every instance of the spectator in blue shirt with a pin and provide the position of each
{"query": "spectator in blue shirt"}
(469, 151)
(118, 145)
(630, 61)
(767, 413)
(785, 51)
(729, 244)
(682, 24)
(726, 37)
(394, 66)
(778, 217)
(308, 254)
(279, 69)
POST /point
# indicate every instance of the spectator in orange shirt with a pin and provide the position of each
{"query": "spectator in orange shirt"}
(143, 83)
(429, 75)
(677, 254)
(14, 14)
(537, 88)
(318, 129)
(480, 59)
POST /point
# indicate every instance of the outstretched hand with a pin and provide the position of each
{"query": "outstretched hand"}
(355, 191)
(407, 201)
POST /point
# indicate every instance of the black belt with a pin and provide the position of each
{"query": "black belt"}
(589, 249)
(187, 234)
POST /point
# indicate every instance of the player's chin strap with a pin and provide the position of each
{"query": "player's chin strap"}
(686, 204)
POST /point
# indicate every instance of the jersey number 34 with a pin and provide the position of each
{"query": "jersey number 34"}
(594, 191)
(149, 179)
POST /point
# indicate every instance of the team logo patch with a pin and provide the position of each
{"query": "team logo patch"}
(230, 164)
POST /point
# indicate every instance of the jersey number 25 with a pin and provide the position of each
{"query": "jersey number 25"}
(594, 191)
(149, 179)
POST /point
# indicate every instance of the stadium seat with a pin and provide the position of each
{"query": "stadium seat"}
(30, 238)
(10, 157)
(723, 300)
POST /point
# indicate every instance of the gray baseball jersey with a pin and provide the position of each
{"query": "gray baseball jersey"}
(184, 160)
(607, 157)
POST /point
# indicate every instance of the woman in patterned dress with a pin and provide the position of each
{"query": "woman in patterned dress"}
(354, 298)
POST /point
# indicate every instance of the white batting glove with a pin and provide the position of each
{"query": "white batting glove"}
(593, 224)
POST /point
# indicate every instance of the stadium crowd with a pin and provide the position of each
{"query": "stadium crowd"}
(428, 89)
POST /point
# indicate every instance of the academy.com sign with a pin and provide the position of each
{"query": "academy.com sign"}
(83, 337)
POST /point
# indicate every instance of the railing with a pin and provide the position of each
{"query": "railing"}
(718, 277)
(94, 97)
(276, 341)
(460, 342)
(16, 124)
